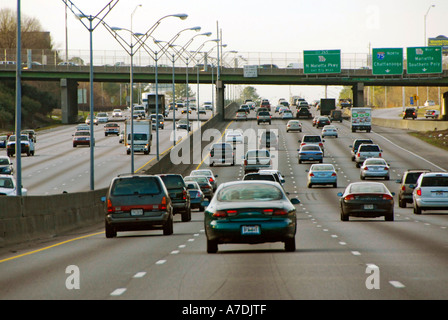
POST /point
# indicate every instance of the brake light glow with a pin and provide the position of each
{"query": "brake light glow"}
(349, 197)
(419, 191)
(110, 208)
(220, 214)
(387, 197)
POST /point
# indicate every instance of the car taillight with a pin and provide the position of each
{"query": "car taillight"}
(359, 154)
(162, 205)
(366, 168)
(311, 174)
(245, 162)
(110, 208)
(220, 214)
(184, 195)
(280, 212)
(349, 197)
(379, 155)
(333, 174)
(386, 168)
(210, 180)
(387, 197)
(419, 191)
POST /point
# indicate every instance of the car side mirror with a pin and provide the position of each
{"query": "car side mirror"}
(295, 201)
(340, 194)
(103, 199)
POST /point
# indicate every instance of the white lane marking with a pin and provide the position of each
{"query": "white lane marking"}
(161, 262)
(397, 284)
(139, 274)
(356, 253)
(118, 292)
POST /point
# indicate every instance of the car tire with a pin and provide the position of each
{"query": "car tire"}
(417, 209)
(344, 217)
(212, 246)
(389, 216)
(290, 244)
(309, 185)
(110, 231)
(168, 227)
(186, 215)
(402, 203)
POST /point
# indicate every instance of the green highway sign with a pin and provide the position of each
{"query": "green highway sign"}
(322, 61)
(387, 61)
(421, 60)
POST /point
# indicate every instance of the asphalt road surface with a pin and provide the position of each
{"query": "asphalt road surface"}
(370, 259)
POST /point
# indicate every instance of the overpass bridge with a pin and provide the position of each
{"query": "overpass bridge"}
(357, 78)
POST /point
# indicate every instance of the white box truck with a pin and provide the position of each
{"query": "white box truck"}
(142, 136)
(361, 119)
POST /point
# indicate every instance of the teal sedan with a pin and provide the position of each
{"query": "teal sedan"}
(250, 212)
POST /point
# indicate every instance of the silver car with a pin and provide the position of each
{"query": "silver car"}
(431, 192)
(375, 168)
(257, 159)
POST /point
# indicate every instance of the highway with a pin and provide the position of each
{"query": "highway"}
(333, 260)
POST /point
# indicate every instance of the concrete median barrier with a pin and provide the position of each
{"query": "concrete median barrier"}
(30, 218)
(415, 125)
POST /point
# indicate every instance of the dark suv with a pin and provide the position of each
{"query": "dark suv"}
(410, 113)
(356, 144)
(180, 197)
(137, 202)
(304, 112)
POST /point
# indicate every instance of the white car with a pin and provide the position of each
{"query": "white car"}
(234, 137)
(429, 103)
(431, 192)
(287, 114)
(375, 168)
(434, 114)
(329, 131)
(117, 113)
(294, 125)
(102, 117)
(8, 186)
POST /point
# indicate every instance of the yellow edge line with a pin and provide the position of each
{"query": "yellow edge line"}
(49, 247)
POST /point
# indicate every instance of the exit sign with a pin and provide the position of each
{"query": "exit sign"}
(387, 61)
(422, 60)
(321, 61)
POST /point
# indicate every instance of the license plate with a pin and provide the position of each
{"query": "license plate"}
(248, 230)
(136, 212)
(368, 206)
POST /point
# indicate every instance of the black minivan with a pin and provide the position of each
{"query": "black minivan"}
(180, 197)
(137, 202)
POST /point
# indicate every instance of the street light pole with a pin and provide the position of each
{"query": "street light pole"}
(90, 27)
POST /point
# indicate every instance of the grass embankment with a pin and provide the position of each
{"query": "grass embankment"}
(436, 138)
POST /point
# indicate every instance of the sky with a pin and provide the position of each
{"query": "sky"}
(254, 28)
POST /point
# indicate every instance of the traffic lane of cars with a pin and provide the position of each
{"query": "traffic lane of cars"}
(59, 167)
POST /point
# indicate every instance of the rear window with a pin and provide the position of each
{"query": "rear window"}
(269, 177)
(258, 153)
(136, 186)
(263, 113)
(367, 188)
(173, 181)
(250, 192)
(412, 177)
(369, 148)
(359, 142)
(312, 139)
(435, 182)
(310, 148)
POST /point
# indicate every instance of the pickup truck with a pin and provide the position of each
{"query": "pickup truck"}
(111, 128)
(26, 145)
(257, 159)
(263, 116)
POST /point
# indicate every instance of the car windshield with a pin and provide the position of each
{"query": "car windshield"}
(173, 181)
(135, 186)
(138, 136)
(367, 188)
(198, 179)
(201, 173)
(250, 192)
(311, 139)
(324, 167)
(310, 148)
(6, 183)
(369, 148)
(375, 162)
(82, 133)
(4, 161)
(441, 181)
(257, 154)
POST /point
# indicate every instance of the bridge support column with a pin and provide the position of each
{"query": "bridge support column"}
(358, 94)
(69, 101)
(220, 99)
(444, 107)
